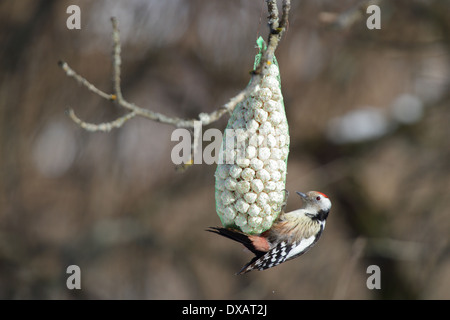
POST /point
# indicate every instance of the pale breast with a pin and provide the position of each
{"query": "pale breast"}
(295, 228)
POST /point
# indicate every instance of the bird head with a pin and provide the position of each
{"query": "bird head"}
(316, 204)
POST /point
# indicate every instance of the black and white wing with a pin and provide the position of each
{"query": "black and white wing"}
(282, 252)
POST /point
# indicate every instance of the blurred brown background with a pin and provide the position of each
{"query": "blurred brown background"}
(369, 121)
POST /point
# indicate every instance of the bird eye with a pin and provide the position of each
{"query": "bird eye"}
(318, 198)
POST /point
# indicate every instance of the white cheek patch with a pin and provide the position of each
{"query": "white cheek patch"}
(326, 204)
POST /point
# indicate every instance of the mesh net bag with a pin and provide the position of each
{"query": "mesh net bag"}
(252, 167)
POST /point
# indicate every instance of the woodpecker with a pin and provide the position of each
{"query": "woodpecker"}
(291, 235)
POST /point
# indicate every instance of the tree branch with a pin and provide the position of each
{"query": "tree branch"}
(277, 28)
(117, 60)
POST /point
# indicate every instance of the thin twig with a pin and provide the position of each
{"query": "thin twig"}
(71, 73)
(117, 60)
(273, 14)
(103, 127)
(285, 15)
(275, 34)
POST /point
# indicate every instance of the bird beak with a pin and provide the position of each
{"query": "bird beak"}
(301, 194)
